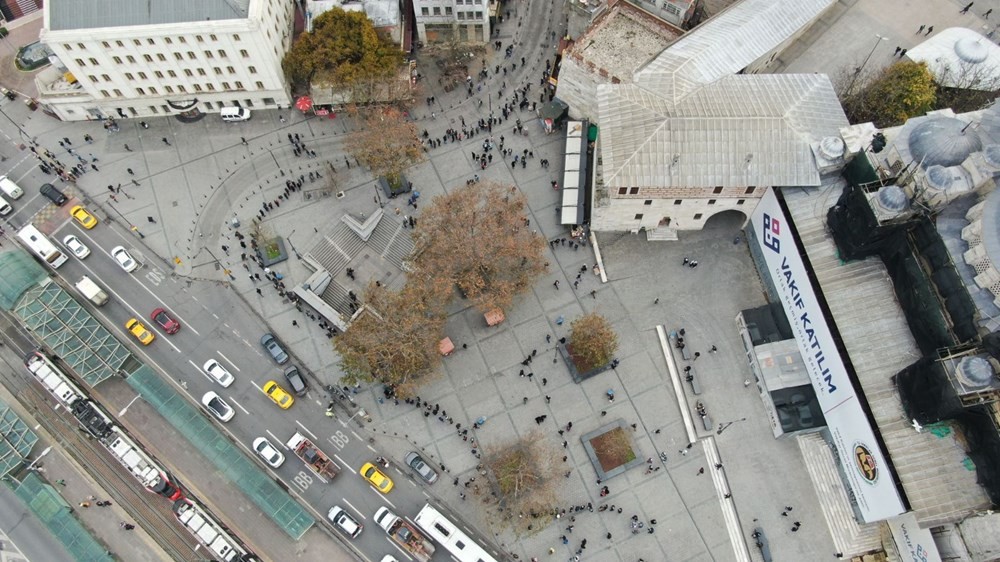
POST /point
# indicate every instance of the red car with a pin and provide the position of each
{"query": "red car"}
(165, 321)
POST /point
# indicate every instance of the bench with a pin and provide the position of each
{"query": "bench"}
(692, 378)
(706, 421)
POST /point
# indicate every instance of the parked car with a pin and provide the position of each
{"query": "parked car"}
(272, 346)
(83, 217)
(344, 521)
(217, 406)
(165, 320)
(295, 380)
(414, 461)
(140, 332)
(124, 259)
(278, 395)
(268, 452)
(218, 373)
(74, 245)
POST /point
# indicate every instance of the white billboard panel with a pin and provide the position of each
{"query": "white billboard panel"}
(913, 543)
(863, 461)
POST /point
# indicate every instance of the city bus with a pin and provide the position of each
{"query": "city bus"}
(448, 535)
(41, 246)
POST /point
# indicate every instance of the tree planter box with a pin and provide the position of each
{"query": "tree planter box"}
(394, 189)
(608, 459)
(576, 374)
(272, 251)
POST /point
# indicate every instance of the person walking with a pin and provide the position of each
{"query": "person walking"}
(921, 29)
(130, 172)
(151, 220)
(987, 14)
(165, 141)
(965, 10)
(929, 30)
(127, 148)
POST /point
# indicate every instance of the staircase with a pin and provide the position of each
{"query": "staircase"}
(661, 234)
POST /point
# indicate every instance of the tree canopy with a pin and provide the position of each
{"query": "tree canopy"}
(394, 340)
(343, 49)
(896, 93)
(385, 141)
(592, 341)
(477, 237)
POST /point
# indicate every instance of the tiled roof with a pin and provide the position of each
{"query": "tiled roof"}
(739, 130)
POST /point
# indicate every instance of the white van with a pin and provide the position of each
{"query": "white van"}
(10, 188)
(5, 207)
(231, 114)
(92, 291)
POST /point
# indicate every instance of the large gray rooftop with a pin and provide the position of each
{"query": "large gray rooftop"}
(739, 130)
(96, 14)
(727, 43)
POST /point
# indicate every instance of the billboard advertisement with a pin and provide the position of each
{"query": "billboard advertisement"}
(864, 464)
(913, 544)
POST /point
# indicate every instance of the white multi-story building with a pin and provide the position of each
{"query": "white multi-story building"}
(120, 58)
(466, 21)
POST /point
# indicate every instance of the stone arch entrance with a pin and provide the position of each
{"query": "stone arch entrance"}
(729, 220)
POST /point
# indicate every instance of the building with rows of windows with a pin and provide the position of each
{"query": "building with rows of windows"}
(118, 58)
(466, 21)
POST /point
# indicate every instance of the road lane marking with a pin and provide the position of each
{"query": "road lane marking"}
(354, 508)
(401, 551)
(239, 405)
(306, 429)
(230, 361)
(275, 437)
(344, 464)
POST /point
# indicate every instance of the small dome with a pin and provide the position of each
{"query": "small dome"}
(974, 372)
(832, 148)
(970, 50)
(943, 140)
(992, 155)
(939, 178)
(892, 198)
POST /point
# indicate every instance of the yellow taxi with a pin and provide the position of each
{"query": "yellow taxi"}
(140, 332)
(83, 217)
(283, 399)
(376, 478)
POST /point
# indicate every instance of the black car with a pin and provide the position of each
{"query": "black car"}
(295, 380)
(50, 192)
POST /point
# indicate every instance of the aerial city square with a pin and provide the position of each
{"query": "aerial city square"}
(500, 280)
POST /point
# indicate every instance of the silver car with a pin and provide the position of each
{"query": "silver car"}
(274, 349)
(414, 461)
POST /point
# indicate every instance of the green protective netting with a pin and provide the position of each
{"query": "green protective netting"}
(17, 442)
(71, 334)
(227, 457)
(57, 516)
(18, 272)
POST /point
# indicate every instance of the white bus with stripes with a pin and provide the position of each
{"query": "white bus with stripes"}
(448, 535)
(35, 241)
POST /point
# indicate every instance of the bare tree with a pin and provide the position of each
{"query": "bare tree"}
(523, 476)
(385, 141)
(478, 237)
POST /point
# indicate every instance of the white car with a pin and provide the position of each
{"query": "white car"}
(266, 451)
(73, 244)
(217, 406)
(344, 521)
(124, 259)
(218, 373)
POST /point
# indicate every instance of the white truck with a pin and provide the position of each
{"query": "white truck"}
(92, 291)
(405, 534)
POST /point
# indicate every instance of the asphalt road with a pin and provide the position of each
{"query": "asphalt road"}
(216, 326)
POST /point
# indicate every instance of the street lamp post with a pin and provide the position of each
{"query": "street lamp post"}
(725, 425)
(289, 238)
(31, 467)
(857, 71)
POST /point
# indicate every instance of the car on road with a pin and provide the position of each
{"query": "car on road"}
(274, 348)
(83, 217)
(295, 380)
(124, 259)
(74, 245)
(416, 462)
(376, 478)
(278, 395)
(218, 373)
(217, 406)
(50, 192)
(268, 452)
(344, 521)
(165, 320)
(140, 332)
